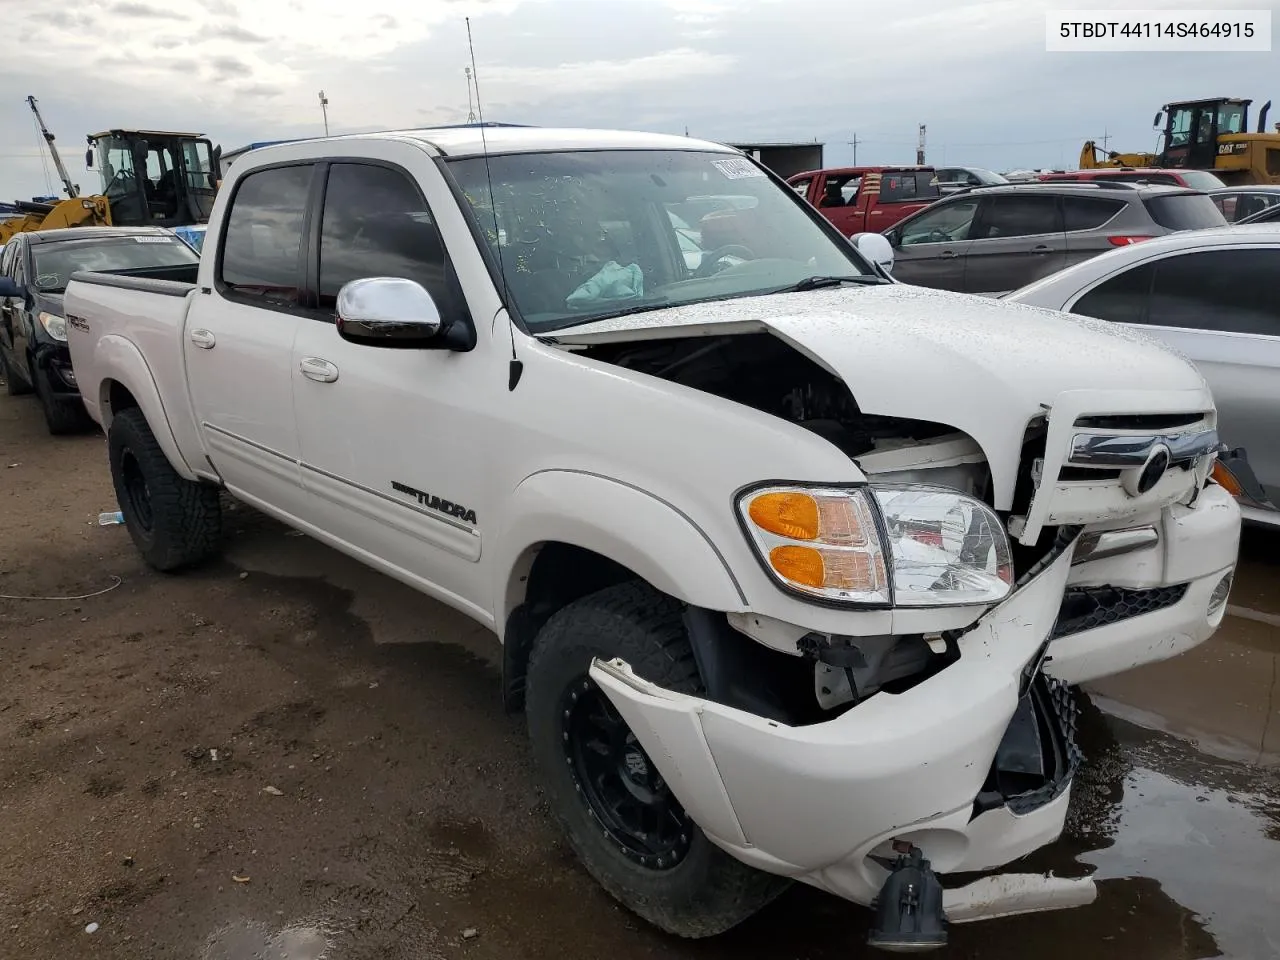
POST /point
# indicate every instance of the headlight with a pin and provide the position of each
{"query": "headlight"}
(910, 546)
(54, 325)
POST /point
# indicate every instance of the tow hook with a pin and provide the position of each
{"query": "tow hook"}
(909, 916)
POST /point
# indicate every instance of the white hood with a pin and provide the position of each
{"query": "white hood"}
(983, 366)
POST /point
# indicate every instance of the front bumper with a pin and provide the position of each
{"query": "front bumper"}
(55, 360)
(825, 803)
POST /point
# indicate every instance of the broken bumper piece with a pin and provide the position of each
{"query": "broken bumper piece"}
(972, 766)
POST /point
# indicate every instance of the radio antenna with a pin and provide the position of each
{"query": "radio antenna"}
(517, 367)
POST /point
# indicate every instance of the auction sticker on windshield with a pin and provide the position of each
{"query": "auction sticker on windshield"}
(153, 239)
(737, 168)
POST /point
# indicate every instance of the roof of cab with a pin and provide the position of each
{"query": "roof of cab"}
(475, 141)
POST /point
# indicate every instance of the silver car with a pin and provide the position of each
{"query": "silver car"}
(991, 240)
(1211, 295)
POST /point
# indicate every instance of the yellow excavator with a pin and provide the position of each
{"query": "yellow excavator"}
(1209, 135)
(149, 178)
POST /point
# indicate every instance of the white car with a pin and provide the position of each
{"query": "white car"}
(1213, 295)
(792, 564)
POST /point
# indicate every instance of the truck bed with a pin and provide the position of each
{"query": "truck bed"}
(127, 316)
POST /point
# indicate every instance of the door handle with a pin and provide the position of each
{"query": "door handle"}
(1042, 249)
(203, 339)
(315, 368)
(947, 255)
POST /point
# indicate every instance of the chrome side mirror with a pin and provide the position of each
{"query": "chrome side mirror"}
(876, 248)
(387, 312)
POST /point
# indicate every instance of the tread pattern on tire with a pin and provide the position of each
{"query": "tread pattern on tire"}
(717, 892)
(187, 516)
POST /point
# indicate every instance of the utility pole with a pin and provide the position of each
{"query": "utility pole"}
(471, 108)
(1106, 137)
(854, 143)
(920, 148)
(324, 109)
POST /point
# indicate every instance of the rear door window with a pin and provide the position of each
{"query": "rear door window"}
(1185, 211)
(1018, 216)
(1122, 299)
(1088, 213)
(261, 255)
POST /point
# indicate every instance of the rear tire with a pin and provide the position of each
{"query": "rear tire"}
(12, 386)
(174, 522)
(674, 878)
(61, 416)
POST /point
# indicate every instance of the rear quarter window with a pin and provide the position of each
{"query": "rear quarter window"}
(907, 185)
(1185, 211)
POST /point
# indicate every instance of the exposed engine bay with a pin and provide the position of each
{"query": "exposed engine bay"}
(763, 372)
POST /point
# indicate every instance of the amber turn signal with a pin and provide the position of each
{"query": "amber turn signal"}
(791, 515)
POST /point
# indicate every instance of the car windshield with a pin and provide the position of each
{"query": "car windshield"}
(584, 235)
(56, 262)
(1201, 180)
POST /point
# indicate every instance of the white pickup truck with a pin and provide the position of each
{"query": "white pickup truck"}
(793, 565)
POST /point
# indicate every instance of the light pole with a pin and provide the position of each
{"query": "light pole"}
(324, 109)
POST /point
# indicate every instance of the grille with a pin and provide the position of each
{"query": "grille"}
(1057, 700)
(1142, 421)
(1089, 608)
(1038, 756)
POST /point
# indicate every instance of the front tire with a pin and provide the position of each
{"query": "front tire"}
(620, 818)
(173, 522)
(62, 416)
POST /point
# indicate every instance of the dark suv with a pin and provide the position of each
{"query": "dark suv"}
(991, 240)
(34, 269)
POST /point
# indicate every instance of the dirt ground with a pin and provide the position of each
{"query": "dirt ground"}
(286, 755)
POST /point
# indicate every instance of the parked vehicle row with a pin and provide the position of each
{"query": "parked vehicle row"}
(785, 557)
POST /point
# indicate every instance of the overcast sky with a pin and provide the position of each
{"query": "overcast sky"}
(976, 74)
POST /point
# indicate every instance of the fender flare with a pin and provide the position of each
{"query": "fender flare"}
(119, 361)
(648, 535)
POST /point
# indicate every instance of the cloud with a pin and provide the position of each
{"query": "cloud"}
(144, 11)
(236, 33)
(245, 70)
(670, 66)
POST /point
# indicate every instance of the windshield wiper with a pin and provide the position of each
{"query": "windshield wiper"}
(819, 283)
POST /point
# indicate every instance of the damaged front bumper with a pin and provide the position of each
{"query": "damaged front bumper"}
(972, 766)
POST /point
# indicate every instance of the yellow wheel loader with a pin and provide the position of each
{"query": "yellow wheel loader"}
(1209, 135)
(149, 178)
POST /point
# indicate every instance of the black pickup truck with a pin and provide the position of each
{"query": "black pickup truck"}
(35, 268)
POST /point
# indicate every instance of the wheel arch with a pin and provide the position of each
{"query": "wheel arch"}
(128, 383)
(576, 533)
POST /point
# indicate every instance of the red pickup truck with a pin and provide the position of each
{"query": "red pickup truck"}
(867, 199)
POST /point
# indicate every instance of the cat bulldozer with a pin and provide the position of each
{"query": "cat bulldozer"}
(149, 178)
(1208, 135)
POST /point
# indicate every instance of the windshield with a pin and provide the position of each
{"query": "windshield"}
(591, 234)
(1201, 180)
(1185, 211)
(56, 262)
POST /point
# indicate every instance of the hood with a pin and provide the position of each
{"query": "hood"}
(984, 366)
